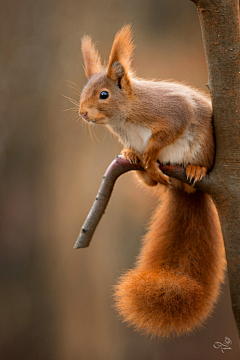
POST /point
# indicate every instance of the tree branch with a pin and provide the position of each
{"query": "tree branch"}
(118, 167)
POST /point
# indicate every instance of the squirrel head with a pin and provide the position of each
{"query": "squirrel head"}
(106, 97)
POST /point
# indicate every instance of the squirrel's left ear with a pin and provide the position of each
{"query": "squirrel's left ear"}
(91, 57)
(120, 58)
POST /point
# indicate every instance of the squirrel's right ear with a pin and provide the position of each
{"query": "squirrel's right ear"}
(91, 57)
(120, 58)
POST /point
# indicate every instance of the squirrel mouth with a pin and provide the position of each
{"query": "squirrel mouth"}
(93, 121)
(98, 121)
(85, 117)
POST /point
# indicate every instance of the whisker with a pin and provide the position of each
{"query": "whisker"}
(76, 118)
(75, 94)
(74, 84)
(78, 92)
(84, 126)
(90, 132)
(106, 133)
(95, 136)
(89, 126)
(73, 116)
(71, 100)
(73, 109)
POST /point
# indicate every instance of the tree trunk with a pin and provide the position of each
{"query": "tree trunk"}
(220, 30)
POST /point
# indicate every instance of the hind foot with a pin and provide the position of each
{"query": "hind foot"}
(195, 173)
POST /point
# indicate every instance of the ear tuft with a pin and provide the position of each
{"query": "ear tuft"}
(121, 54)
(91, 57)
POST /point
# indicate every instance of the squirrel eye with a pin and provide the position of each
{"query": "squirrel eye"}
(103, 95)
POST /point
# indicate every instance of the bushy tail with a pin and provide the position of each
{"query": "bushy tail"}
(177, 278)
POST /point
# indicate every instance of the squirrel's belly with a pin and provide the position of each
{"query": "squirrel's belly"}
(183, 151)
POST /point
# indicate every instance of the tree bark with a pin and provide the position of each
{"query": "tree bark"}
(219, 21)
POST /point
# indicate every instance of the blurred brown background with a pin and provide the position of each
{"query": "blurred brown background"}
(55, 301)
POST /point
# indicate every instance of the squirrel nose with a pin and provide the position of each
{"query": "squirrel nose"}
(84, 114)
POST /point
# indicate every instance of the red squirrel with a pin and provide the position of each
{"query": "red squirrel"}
(176, 280)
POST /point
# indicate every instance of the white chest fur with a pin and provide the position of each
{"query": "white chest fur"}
(133, 135)
(182, 151)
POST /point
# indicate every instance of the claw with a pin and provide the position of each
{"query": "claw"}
(195, 173)
(130, 155)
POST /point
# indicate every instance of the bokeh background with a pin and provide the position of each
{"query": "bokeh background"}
(56, 302)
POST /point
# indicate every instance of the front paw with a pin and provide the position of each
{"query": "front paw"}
(130, 155)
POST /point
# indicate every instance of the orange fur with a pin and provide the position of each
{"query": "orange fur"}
(177, 278)
(91, 56)
(122, 49)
